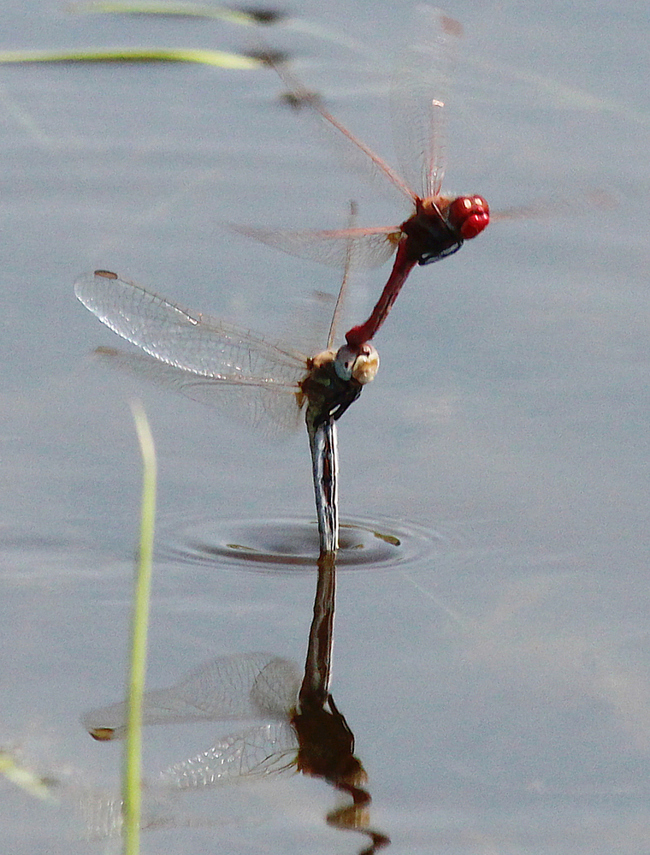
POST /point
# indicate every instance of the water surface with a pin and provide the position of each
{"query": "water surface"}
(497, 686)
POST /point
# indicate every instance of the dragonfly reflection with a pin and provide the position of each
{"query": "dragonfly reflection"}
(303, 729)
(205, 359)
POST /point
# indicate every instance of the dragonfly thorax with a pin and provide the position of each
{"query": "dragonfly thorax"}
(430, 234)
(335, 381)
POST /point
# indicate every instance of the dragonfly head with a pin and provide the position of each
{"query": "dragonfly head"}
(469, 215)
(357, 362)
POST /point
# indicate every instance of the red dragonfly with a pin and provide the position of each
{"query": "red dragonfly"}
(438, 224)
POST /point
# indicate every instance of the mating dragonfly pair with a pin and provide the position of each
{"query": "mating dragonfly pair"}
(200, 356)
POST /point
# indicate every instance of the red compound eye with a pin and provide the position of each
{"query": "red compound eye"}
(469, 215)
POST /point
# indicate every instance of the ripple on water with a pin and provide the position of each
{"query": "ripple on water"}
(291, 545)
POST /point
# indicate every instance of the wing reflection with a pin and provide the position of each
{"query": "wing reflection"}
(302, 730)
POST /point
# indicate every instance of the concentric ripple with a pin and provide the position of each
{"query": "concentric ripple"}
(291, 545)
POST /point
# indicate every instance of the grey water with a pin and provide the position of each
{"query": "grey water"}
(498, 681)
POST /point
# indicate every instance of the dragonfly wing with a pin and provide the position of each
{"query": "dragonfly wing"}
(419, 94)
(102, 814)
(364, 247)
(353, 152)
(255, 685)
(188, 340)
(257, 752)
(271, 408)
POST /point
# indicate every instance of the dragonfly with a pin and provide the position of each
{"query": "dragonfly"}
(439, 224)
(204, 358)
(302, 730)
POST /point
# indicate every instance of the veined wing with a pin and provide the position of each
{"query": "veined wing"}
(419, 94)
(256, 752)
(240, 687)
(187, 340)
(360, 247)
(275, 408)
(355, 154)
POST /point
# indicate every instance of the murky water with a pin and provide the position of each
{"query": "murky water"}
(494, 667)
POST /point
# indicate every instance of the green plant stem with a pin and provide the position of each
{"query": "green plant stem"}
(132, 773)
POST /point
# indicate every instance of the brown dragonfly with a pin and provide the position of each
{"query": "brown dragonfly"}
(205, 359)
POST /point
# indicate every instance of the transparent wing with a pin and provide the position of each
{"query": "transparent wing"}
(255, 685)
(257, 752)
(102, 814)
(273, 409)
(350, 259)
(364, 247)
(584, 202)
(354, 153)
(187, 340)
(419, 97)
